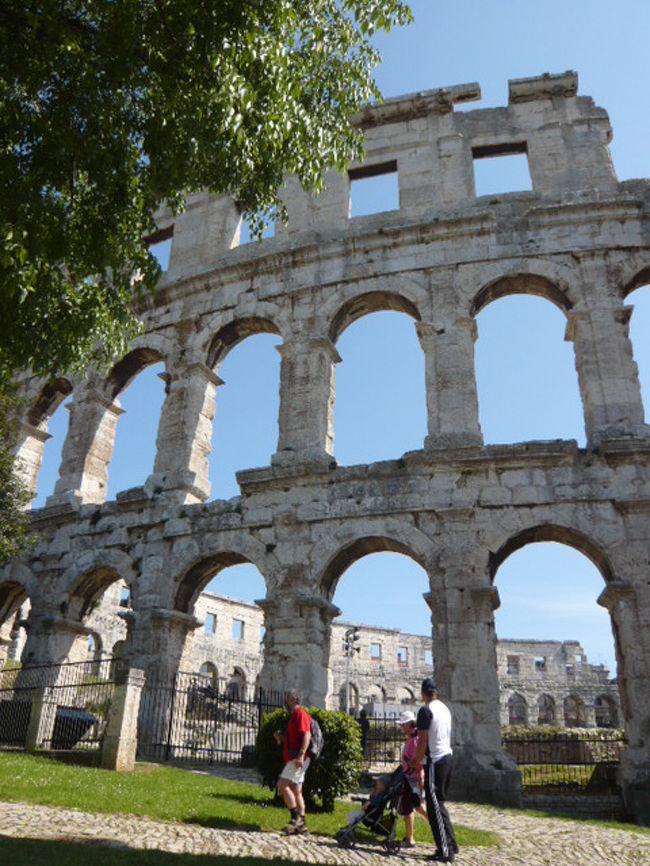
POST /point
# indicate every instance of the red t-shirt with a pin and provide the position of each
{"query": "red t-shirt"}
(299, 724)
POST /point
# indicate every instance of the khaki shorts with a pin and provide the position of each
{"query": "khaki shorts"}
(293, 773)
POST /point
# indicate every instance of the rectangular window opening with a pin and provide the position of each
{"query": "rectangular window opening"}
(513, 666)
(246, 235)
(375, 651)
(160, 246)
(540, 663)
(428, 658)
(238, 629)
(402, 656)
(501, 168)
(125, 597)
(373, 189)
(210, 627)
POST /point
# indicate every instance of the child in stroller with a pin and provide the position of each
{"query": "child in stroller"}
(387, 793)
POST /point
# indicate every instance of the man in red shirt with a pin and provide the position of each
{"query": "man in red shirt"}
(295, 745)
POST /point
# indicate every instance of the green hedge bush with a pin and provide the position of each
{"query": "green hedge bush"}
(335, 773)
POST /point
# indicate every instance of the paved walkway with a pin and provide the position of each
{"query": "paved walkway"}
(525, 841)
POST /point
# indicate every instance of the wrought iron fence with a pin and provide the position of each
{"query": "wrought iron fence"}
(65, 706)
(584, 760)
(193, 718)
(384, 741)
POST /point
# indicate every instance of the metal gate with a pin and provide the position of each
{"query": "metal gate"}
(193, 718)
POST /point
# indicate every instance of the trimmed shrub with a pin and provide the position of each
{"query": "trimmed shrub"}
(335, 773)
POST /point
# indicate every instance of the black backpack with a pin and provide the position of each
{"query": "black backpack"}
(316, 741)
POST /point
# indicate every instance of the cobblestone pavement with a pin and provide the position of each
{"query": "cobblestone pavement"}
(525, 840)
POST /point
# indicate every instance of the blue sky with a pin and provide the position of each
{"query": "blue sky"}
(547, 591)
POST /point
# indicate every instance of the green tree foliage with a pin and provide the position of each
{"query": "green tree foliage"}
(337, 770)
(110, 107)
(13, 520)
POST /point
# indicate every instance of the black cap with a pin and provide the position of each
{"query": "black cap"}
(428, 686)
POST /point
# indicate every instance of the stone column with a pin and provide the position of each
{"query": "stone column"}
(184, 437)
(87, 449)
(452, 400)
(630, 623)
(464, 650)
(155, 646)
(29, 454)
(297, 645)
(121, 737)
(306, 432)
(607, 373)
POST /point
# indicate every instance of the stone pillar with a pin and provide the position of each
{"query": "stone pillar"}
(330, 209)
(630, 615)
(41, 719)
(121, 737)
(297, 645)
(87, 449)
(607, 373)
(464, 650)
(306, 431)
(590, 715)
(29, 454)
(184, 437)
(155, 646)
(452, 400)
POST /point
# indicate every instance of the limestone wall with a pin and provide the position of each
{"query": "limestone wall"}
(580, 239)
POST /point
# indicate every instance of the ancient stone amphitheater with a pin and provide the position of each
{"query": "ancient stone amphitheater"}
(580, 239)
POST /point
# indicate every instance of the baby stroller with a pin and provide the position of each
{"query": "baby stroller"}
(374, 819)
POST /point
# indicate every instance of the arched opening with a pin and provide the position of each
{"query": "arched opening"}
(606, 712)
(525, 370)
(14, 612)
(380, 408)
(405, 696)
(557, 639)
(353, 699)
(545, 710)
(100, 603)
(639, 298)
(245, 430)
(221, 592)
(379, 585)
(140, 381)
(210, 673)
(517, 710)
(42, 459)
(574, 712)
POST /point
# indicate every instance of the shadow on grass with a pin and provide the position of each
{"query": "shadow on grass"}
(104, 852)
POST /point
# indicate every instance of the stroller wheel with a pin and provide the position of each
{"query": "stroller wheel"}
(345, 839)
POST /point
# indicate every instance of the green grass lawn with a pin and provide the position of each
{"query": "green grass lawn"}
(171, 794)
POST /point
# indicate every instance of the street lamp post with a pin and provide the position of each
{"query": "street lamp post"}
(350, 646)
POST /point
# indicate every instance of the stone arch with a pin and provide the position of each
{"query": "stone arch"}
(86, 580)
(404, 695)
(640, 278)
(376, 694)
(235, 549)
(235, 332)
(354, 697)
(552, 289)
(552, 532)
(574, 711)
(125, 370)
(370, 302)
(517, 709)
(48, 399)
(606, 711)
(340, 553)
(13, 595)
(545, 709)
(209, 670)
